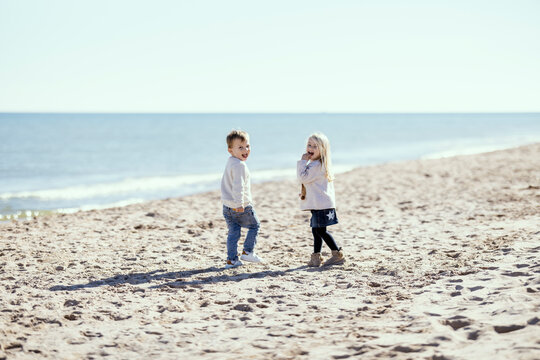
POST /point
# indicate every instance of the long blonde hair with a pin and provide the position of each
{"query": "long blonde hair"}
(324, 149)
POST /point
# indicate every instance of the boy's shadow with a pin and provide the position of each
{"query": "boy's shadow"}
(178, 278)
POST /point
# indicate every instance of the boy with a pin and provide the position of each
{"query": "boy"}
(237, 204)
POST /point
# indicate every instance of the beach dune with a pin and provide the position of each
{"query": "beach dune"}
(443, 262)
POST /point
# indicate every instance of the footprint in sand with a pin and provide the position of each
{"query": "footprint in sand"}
(503, 329)
(457, 322)
(243, 307)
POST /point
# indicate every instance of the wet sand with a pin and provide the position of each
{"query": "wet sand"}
(443, 262)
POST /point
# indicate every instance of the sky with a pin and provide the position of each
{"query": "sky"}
(259, 56)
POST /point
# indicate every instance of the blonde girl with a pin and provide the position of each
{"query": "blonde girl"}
(314, 171)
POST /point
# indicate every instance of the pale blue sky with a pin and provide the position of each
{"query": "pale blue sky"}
(270, 56)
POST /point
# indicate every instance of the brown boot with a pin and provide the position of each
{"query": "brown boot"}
(336, 259)
(316, 260)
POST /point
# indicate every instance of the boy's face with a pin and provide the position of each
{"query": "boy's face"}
(240, 149)
(313, 149)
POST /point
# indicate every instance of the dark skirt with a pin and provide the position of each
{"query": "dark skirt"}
(323, 218)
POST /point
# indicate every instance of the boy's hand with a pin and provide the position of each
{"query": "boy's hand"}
(306, 156)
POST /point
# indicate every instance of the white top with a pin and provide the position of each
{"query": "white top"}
(236, 184)
(319, 191)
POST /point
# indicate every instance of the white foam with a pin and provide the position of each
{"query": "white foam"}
(467, 147)
(290, 173)
(126, 186)
(275, 174)
(102, 206)
(188, 184)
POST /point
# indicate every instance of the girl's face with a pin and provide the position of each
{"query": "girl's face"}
(313, 150)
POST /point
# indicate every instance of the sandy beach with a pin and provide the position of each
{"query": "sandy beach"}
(443, 262)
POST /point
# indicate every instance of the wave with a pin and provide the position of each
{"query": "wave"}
(28, 214)
(89, 207)
(184, 184)
(467, 147)
(126, 186)
(290, 173)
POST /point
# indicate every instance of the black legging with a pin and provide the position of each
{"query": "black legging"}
(320, 234)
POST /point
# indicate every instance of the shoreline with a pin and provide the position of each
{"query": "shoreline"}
(443, 261)
(272, 175)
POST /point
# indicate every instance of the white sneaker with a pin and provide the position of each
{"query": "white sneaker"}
(231, 264)
(250, 257)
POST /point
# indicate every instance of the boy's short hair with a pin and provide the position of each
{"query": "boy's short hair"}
(236, 134)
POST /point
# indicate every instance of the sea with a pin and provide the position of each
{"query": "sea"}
(71, 162)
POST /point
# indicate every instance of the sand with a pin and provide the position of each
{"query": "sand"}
(442, 263)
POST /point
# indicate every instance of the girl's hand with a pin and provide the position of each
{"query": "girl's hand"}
(306, 156)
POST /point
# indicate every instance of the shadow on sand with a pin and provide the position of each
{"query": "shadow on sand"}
(179, 278)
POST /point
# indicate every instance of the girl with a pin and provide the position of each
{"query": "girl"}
(315, 174)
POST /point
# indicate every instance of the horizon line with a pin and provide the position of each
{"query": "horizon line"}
(264, 113)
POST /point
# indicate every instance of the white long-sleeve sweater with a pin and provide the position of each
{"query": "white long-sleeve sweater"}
(319, 191)
(236, 184)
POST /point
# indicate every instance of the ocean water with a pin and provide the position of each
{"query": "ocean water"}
(67, 162)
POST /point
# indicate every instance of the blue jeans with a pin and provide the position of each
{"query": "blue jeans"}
(235, 221)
